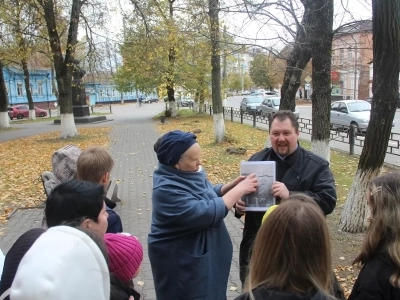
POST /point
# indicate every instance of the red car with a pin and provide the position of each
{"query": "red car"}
(22, 111)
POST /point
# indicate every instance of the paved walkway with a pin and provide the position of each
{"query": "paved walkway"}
(132, 139)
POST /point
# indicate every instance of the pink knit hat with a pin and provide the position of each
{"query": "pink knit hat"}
(125, 254)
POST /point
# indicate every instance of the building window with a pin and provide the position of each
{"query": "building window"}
(341, 56)
(20, 91)
(40, 88)
(113, 93)
(350, 55)
(101, 93)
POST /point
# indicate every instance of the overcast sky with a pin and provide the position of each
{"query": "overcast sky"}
(254, 29)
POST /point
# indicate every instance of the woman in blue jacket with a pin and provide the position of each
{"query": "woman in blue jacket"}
(189, 246)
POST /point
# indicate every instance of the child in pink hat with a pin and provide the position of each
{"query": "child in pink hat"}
(125, 255)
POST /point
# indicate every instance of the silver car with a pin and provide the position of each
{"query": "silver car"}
(271, 105)
(351, 112)
(251, 104)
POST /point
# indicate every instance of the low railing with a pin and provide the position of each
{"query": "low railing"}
(341, 134)
(101, 108)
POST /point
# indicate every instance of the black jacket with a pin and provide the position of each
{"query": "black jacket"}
(272, 294)
(373, 281)
(307, 173)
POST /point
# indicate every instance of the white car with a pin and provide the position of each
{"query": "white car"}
(351, 112)
(271, 105)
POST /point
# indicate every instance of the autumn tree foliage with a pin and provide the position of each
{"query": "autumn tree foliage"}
(264, 71)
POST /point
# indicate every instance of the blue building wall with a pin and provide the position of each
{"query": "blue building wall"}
(98, 93)
(40, 81)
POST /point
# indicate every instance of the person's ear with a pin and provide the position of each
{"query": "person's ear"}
(86, 224)
(177, 166)
(104, 178)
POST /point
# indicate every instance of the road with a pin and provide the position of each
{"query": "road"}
(305, 111)
(339, 140)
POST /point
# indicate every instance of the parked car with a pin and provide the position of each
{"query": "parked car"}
(22, 111)
(187, 102)
(251, 104)
(351, 112)
(150, 100)
(265, 94)
(271, 105)
(245, 93)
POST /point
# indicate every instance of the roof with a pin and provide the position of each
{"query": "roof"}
(355, 27)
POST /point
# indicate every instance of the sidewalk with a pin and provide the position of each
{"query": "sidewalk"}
(131, 147)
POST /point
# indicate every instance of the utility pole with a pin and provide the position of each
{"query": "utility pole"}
(355, 72)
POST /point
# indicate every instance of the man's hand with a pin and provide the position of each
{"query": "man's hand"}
(280, 190)
(240, 207)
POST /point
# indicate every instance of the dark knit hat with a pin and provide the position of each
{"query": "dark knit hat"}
(15, 255)
(172, 145)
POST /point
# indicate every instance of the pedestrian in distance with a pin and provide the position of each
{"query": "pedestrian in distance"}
(379, 278)
(189, 246)
(290, 261)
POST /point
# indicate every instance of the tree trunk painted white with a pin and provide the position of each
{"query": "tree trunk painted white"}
(321, 148)
(68, 128)
(268, 143)
(355, 212)
(4, 119)
(219, 127)
(32, 114)
(172, 106)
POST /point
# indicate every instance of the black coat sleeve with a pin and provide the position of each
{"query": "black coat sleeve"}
(323, 190)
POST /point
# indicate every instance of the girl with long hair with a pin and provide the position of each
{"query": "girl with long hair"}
(291, 256)
(379, 257)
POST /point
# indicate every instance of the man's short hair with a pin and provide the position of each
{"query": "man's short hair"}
(282, 115)
(93, 163)
(73, 201)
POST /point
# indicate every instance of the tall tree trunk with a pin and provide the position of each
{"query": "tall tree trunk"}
(171, 67)
(4, 118)
(32, 115)
(297, 61)
(386, 60)
(63, 63)
(321, 21)
(54, 83)
(219, 124)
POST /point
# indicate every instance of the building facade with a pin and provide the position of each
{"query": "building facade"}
(351, 55)
(40, 86)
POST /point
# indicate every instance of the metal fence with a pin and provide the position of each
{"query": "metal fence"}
(98, 108)
(346, 135)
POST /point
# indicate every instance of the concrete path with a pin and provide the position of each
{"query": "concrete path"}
(132, 139)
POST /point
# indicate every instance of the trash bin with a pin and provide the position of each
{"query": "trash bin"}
(162, 119)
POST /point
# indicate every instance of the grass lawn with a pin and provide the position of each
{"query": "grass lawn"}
(22, 162)
(222, 167)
